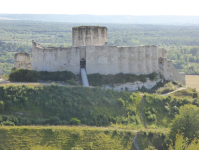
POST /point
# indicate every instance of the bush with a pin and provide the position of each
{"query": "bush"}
(97, 79)
(56, 76)
(71, 82)
(1, 105)
(153, 76)
(75, 121)
(169, 87)
(1, 119)
(54, 120)
(195, 95)
(120, 102)
(8, 123)
(23, 75)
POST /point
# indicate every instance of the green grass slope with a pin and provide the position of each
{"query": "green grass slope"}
(65, 138)
(42, 105)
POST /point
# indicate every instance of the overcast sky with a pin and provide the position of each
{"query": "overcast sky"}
(101, 7)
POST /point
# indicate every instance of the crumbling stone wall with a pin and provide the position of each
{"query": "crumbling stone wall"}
(56, 58)
(22, 60)
(106, 60)
(169, 72)
(90, 44)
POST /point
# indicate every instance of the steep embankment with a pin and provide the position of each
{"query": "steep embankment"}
(55, 105)
(68, 138)
(40, 105)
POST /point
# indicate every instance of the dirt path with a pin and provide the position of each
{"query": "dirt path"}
(182, 88)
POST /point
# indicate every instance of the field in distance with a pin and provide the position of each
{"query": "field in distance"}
(192, 81)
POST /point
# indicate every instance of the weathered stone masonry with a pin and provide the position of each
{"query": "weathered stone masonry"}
(90, 44)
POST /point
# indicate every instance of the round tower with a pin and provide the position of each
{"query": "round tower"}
(89, 35)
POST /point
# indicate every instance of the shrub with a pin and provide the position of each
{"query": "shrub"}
(107, 131)
(167, 108)
(195, 95)
(56, 76)
(1, 119)
(8, 123)
(71, 82)
(169, 87)
(54, 120)
(150, 148)
(24, 75)
(153, 76)
(75, 121)
(120, 102)
(1, 105)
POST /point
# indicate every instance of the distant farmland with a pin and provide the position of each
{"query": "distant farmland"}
(192, 81)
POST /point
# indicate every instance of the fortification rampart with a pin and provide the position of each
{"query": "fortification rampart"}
(113, 59)
(56, 58)
(90, 46)
(99, 59)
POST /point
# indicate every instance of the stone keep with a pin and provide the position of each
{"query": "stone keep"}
(89, 35)
(90, 44)
(22, 60)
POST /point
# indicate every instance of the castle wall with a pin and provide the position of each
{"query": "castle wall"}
(112, 60)
(56, 58)
(162, 52)
(105, 60)
(89, 35)
(22, 60)
(169, 72)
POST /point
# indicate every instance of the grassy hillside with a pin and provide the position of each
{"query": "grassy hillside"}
(58, 105)
(159, 111)
(65, 138)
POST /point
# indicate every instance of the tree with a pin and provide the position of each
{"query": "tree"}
(195, 51)
(181, 143)
(186, 122)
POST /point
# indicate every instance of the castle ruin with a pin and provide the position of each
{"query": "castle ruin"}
(22, 60)
(90, 51)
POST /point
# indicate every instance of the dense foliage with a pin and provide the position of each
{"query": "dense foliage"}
(186, 59)
(183, 143)
(186, 122)
(99, 79)
(25, 75)
(58, 105)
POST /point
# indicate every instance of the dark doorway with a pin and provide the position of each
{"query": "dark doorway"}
(82, 63)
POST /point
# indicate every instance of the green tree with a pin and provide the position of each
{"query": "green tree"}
(195, 51)
(186, 122)
(181, 143)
